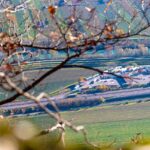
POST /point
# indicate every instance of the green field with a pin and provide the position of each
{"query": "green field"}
(105, 124)
(120, 131)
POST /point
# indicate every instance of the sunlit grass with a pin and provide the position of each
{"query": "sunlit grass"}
(120, 131)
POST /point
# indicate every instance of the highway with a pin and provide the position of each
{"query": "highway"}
(109, 97)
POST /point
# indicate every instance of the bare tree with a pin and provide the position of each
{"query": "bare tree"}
(73, 28)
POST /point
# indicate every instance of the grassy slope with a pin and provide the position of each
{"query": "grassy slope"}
(106, 123)
(121, 131)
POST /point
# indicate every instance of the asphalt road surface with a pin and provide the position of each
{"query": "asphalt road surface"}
(121, 94)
